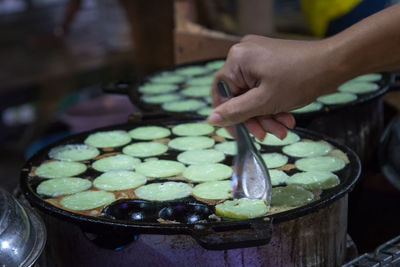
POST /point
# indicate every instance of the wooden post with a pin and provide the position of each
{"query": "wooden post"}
(152, 24)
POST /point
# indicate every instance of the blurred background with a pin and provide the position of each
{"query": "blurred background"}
(55, 54)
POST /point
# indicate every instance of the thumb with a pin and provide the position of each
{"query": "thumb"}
(238, 109)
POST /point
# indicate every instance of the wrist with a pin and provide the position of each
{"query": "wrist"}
(329, 67)
(339, 59)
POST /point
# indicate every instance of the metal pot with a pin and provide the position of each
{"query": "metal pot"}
(22, 233)
(310, 235)
(358, 125)
(316, 239)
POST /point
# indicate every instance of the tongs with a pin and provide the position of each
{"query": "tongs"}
(250, 178)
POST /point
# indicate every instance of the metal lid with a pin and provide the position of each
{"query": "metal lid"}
(22, 233)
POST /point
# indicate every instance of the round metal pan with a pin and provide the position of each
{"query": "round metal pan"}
(154, 110)
(212, 235)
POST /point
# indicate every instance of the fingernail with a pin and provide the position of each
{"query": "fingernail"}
(262, 137)
(215, 119)
(282, 135)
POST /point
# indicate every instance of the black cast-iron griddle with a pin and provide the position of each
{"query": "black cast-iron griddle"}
(225, 234)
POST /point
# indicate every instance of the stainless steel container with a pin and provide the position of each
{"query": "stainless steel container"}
(22, 233)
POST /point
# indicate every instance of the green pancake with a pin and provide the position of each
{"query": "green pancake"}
(358, 87)
(324, 163)
(183, 105)
(119, 180)
(160, 98)
(243, 208)
(160, 168)
(192, 129)
(191, 143)
(278, 177)
(145, 149)
(337, 98)
(224, 133)
(87, 200)
(272, 140)
(215, 65)
(192, 70)
(60, 169)
(290, 196)
(106, 139)
(201, 80)
(117, 162)
(63, 186)
(371, 77)
(201, 156)
(167, 78)
(314, 106)
(196, 91)
(207, 172)
(206, 111)
(307, 149)
(156, 89)
(213, 190)
(149, 132)
(274, 160)
(208, 99)
(313, 180)
(230, 147)
(73, 152)
(163, 191)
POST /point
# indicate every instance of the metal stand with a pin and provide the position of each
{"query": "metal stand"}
(387, 254)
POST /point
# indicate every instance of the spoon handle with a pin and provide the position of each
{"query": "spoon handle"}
(250, 178)
(242, 134)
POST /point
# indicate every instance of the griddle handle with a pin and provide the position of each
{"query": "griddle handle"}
(121, 87)
(250, 234)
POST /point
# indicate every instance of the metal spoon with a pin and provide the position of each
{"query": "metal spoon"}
(250, 178)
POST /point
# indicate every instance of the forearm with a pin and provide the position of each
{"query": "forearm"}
(372, 45)
(270, 77)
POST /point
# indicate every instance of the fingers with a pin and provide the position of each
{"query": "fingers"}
(274, 124)
(271, 125)
(262, 125)
(231, 73)
(215, 95)
(255, 128)
(251, 97)
(286, 119)
(238, 109)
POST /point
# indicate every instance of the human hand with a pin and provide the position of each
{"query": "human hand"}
(270, 77)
